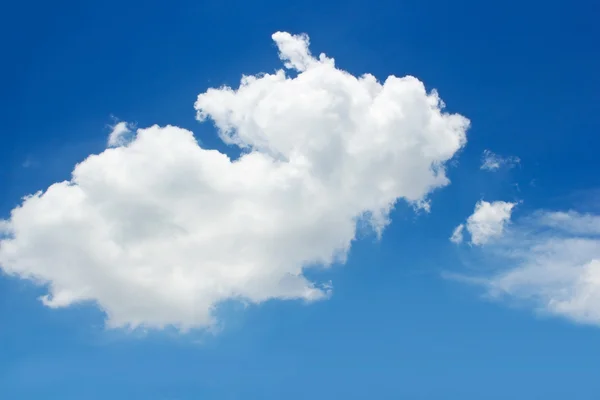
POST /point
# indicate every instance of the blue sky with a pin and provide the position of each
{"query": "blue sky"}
(411, 315)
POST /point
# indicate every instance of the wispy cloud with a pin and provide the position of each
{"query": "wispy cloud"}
(492, 162)
(457, 234)
(549, 260)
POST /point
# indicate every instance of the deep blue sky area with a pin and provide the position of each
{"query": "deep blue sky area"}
(524, 72)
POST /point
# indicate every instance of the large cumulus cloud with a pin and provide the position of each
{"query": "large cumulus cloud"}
(157, 230)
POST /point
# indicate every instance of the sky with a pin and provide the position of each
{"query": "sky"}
(231, 200)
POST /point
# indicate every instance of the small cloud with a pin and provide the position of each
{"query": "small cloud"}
(457, 235)
(486, 223)
(119, 135)
(492, 162)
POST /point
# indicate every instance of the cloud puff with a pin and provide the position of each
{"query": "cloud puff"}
(119, 134)
(486, 223)
(554, 265)
(159, 230)
(492, 162)
(488, 220)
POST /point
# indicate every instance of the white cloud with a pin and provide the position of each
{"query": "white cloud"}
(492, 162)
(159, 230)
(457, 234)
(487, 222)
(554, 265)
(119, 134)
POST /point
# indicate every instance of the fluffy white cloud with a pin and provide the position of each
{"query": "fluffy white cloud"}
(486, 223)
(554, 260)
(488, 220)
(457, 235)
(159, 230)
(492, 162)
